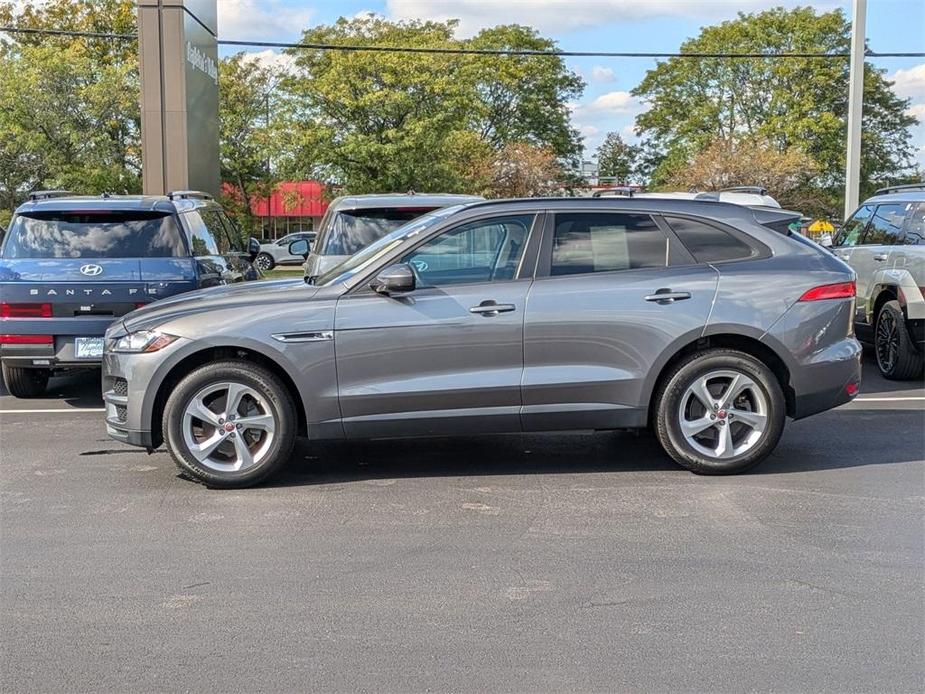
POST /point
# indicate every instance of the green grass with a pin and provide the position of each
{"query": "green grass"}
(283, 274)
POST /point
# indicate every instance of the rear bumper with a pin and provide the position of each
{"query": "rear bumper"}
(58, 355)
(830, 381)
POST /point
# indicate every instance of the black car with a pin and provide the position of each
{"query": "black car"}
(70, 265)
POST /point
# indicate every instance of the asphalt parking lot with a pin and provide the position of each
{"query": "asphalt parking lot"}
(507, 563)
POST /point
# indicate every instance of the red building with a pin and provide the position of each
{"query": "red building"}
(293, 206)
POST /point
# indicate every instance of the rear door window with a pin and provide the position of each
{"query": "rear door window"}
(587, 242)
(356, 229)
(915, 226)
(94, 234)
(707, 243)
(886, 224)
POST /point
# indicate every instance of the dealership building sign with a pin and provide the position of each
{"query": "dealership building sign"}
(178, 60)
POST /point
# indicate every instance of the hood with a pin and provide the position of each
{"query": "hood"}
(249, 295)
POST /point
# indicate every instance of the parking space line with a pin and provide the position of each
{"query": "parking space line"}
(902, 399)
(59, 409)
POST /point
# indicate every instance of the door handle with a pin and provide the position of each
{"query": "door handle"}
(666, 296)
(881, 256)
(490, 308)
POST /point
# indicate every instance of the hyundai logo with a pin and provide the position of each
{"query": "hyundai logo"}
(91, 270)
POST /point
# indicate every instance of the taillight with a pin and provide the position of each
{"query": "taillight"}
(8, 310)
(840, 290)
(27, 340)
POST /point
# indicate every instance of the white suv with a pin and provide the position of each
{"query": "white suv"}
(884, 241)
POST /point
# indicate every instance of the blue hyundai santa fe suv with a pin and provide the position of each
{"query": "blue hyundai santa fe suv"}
(70, 265)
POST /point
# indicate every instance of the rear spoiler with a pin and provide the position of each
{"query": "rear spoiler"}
(775, 218)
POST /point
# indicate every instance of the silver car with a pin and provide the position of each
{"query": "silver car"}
(693, 318)
(884, 243)
(277, 252)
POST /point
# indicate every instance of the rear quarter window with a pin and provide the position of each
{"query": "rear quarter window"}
(707, 243)
(93, 234)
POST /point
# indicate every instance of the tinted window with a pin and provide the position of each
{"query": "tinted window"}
(708, 244)
(602, 242)
(850, 234)
(220, 227)
(886, 225)
(202, 240)
(485, 251)
(101, 234)
(915, 227)
(356, 229)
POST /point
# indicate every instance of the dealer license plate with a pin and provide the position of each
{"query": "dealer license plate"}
(88, 347)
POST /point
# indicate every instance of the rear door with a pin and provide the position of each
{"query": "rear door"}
(606, 307)
(446, 358)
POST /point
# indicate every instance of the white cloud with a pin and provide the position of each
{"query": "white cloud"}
(910, 84)
(917, 110)
(588, 130)
(560, 16)
(599, 73)
(271, 59)
(261, 19)
(617, 102)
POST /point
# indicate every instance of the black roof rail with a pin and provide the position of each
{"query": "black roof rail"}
(188, 195)
(755, 190)
(708, 195)
(900, 189)
(48, 194)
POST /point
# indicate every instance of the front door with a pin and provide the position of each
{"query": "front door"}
(446, 358)
(607, 309)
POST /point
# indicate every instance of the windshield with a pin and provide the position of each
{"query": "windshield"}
(368, 256)
(92, 234)
(356, 229)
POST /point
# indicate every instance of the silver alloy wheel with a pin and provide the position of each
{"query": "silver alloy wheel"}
(263, 261)
(228, 427)
(723, 414)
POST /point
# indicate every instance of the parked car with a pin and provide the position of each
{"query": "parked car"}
(690, 317)
(69, 265)
(353, 222)
(738, 195)
(884, 242)
(277, 252)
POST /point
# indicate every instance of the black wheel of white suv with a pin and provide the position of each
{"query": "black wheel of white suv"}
(720, 411)
(897, 357)
(264, 262)
(230, 424)
(25, 383)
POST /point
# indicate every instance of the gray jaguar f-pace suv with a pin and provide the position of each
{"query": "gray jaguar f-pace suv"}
(699, 319)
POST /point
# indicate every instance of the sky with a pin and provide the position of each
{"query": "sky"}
(603, 25)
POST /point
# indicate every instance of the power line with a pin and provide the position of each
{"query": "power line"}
(473, 51)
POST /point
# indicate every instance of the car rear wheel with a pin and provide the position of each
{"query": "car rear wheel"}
(897, 357)
(719, 412)
(230, 424)
(264, 262)
(25, 383)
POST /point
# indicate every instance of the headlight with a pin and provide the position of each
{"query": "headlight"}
(143, 341)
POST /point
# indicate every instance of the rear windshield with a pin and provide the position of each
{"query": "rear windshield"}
(102, 234)
(356, 229)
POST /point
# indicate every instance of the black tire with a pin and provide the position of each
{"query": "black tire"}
(264, 262)
(897, 357)
(265, 383)
(668, 401)
(25, 383)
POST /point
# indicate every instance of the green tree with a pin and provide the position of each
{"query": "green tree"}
(69, 114)
(376, 122)
(788, 103)
(616, 158)
(252, 133)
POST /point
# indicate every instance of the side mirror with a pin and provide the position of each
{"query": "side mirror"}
(253, 247)
(394, 280)
(300, 247)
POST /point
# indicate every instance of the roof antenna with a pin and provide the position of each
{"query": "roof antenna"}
(411, 191)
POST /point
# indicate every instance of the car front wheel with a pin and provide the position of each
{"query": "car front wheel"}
(230, 424)
(264, 262)
(897, 357)
(719, 412)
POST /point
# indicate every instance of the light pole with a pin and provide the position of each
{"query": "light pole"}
(855, 107)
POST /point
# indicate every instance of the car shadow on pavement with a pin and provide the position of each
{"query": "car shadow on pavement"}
(76, 389)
